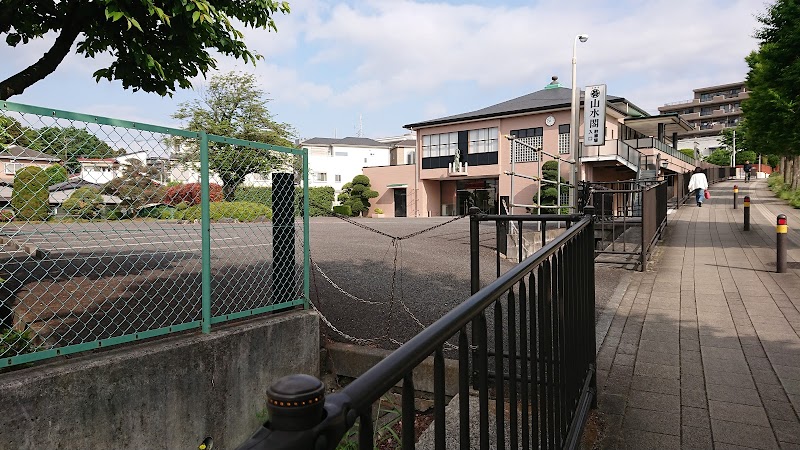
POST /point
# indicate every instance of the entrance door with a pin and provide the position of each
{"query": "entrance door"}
(399, 202)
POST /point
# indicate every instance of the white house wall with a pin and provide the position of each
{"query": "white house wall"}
(344, 161)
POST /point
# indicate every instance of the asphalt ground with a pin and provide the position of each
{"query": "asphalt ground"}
(432, 275)
(104, 279)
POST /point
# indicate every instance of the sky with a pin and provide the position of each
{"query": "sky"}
(336, 67)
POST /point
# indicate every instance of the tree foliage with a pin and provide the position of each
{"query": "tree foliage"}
(84, 203)
(56, 173)
(233, 105)
(356, 194)
(720, 157)
(154, 44)
(136, 186)
(688, 152)
(30, 198)
(549, 192)
(190, 194)
(69, 144)
(772, 111)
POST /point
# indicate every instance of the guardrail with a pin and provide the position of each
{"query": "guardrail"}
(540, 369)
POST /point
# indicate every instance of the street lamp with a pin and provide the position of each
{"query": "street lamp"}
(575, 125)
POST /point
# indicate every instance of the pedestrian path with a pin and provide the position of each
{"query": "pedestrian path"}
(704, 349)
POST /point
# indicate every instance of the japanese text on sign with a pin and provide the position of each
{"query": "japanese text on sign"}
(594, 115)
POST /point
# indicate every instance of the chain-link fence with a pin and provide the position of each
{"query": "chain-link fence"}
(113, 231)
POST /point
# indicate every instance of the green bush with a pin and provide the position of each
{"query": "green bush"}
(14, 343)
(30, 198)
(242, 211)
(343, 210)
(56, 174)
(181, 206)
(157, 212)
(320, 199)
(114, 214)
(84, 203)
(6, 215)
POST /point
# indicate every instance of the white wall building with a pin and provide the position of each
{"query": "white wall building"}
(103, 170)
(334, 162)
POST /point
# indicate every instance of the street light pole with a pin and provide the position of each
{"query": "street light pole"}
(575, 124)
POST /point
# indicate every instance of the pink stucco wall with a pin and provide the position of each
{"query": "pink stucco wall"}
(381, 177)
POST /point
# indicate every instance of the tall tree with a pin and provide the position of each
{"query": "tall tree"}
(233, 105)
(772, 111)
(155, 44)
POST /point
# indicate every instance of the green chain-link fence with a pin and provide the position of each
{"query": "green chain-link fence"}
(113, 231)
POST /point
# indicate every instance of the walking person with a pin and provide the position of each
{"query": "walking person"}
(699, 184)
(747, 169)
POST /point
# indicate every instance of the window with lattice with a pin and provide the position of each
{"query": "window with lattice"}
(527, 149)
(563, 139)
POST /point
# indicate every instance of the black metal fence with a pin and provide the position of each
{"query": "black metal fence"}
(630, 218)
(541, 318)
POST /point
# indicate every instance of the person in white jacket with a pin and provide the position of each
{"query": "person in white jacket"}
(698, 183)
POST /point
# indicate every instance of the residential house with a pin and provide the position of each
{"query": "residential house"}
(15, 157)
(334, 162)
(102, 170)
(463, 160)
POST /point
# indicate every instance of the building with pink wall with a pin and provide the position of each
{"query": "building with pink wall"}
(464, 160)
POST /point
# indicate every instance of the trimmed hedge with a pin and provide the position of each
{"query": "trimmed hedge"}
(30, 198)
(320, 199)
(343, 210)
(242, 211)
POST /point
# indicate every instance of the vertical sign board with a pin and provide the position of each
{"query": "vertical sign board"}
(594, 115)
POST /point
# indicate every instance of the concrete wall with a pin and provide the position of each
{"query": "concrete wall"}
(166, 394)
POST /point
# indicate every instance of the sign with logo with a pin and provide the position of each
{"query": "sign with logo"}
(594, 115)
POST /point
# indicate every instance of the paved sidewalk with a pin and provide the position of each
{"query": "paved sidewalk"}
(704, 349)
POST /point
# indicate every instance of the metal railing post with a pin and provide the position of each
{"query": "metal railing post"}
(474, 250)
(746, 213)
(735, 195)
(780, 243)
(296, 406)
(205, 233)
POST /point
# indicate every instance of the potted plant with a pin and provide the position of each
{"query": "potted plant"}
(377, 213)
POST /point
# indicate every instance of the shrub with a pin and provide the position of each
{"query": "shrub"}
(55, 174)
(15, 343)
(30, 198)
(343, 210)
(114, 214)
(84, 203)
(190, 193)
(181, 206)
(6, 215)
(157, 212)
(320, 199)
(242, 211)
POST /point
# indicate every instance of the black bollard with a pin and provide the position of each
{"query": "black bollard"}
(781, 228)
(746, 213)
(735, 195)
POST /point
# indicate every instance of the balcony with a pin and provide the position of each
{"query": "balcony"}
(457, 169)
(613, 150)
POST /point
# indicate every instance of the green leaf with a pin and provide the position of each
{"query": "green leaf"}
(195, 16)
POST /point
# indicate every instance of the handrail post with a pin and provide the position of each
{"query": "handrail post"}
(474, 250)
(296, 406)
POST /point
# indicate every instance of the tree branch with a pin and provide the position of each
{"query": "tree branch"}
(47, 64)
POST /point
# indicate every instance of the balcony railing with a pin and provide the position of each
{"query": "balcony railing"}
(457, 169)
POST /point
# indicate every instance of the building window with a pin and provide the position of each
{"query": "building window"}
(12, 168)
(563, 139)
(706, 111)
(341, 153)
(482, 140)
(338, 178)
(443, 144)
(688, 111)
(410, 157)
(322, 177)
(525, 153)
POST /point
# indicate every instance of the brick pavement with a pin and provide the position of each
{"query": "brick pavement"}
(704, 349)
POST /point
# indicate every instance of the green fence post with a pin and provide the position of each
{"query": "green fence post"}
(306, 234)
(205, 229)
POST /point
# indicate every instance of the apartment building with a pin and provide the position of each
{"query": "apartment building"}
(334, 162)
(711, 110)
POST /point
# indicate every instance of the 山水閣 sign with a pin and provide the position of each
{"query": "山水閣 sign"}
(594, 115)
